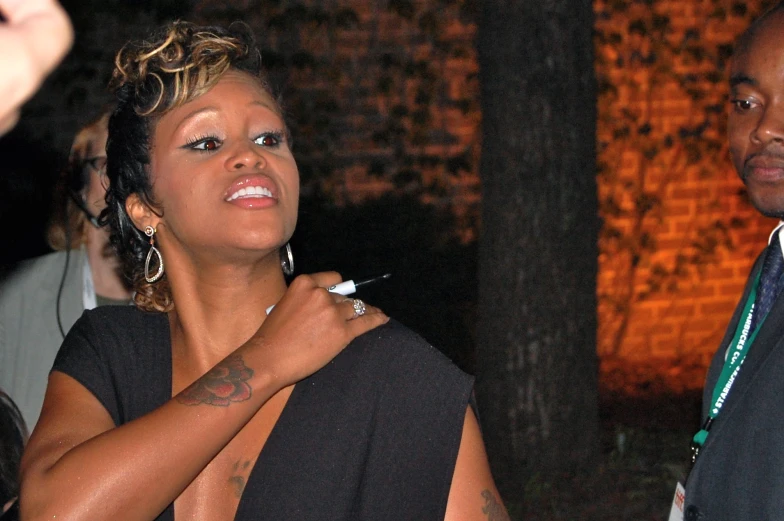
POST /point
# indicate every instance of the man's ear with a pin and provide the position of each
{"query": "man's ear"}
(140, 212)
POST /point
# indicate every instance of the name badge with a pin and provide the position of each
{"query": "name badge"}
(676, 512)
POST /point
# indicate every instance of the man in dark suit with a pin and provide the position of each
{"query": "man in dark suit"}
(739, 469)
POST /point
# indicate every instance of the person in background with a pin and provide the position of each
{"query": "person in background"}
(13, 434)
(34, 36)
(43, 297)
(738, 453)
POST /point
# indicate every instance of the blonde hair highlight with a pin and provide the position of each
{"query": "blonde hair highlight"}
(194, 59)
(153, 297)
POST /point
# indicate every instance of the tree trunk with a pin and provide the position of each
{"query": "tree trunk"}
(536, 345)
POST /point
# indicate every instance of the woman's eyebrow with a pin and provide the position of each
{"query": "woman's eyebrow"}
(194, 114)
(262, 104)
(742, 79)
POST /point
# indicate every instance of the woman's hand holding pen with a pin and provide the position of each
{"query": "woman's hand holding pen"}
(309, 327)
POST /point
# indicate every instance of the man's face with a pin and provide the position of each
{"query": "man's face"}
(756, 116)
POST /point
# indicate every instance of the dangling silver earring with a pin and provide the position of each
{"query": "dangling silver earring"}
(150, 231)
(287, 260)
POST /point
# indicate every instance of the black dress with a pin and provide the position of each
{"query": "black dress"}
(373, 435)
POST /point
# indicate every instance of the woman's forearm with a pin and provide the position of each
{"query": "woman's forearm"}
(134, 471)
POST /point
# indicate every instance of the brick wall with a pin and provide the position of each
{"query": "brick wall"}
(384, 96)
(397, 85)
(679, 236)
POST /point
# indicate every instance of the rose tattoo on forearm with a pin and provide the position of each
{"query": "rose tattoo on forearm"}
(225, 383)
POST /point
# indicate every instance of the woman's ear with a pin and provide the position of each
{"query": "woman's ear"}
(140, 212)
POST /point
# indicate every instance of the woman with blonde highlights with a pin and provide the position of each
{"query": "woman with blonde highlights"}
(197, 403)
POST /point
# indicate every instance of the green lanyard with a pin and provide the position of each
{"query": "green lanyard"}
(736, 353)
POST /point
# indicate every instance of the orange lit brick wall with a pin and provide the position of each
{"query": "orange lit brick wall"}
(400, 82)
(679, 321)
(666, 298)
(683, 318)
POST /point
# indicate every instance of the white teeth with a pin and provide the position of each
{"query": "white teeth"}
(250, 191)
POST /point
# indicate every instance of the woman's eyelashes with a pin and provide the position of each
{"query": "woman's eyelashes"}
(203, 143)
(272, 139)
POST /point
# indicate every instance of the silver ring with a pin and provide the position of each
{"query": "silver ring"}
(359, 307)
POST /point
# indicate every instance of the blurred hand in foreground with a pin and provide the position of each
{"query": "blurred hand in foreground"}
(34, 37)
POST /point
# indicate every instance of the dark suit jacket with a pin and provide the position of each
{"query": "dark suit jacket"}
(739, 474)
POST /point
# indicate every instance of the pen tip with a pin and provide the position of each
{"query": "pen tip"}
(386, 275)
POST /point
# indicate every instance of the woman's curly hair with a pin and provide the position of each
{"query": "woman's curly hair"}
(177, 64)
